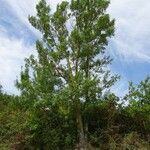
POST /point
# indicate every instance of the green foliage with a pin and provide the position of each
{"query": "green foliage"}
(70, 70)
(140, 93)
(12, 123)
(51, 129)
(110, 125)
(139, 105)
(65, 100)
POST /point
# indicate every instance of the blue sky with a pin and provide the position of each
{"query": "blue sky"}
(130, 47)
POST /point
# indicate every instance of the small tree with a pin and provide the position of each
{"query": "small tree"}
(139, 105)
(71, 67)
(140, 93)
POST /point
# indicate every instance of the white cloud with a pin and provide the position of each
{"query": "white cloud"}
(23, 8)
(132, 25)
(132, 29)
(12, 54)
(14, 50)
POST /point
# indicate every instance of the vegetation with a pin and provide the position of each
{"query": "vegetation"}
(65, 101)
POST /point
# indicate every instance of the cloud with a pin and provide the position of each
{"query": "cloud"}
(12, 54)
(23, 8)
(131, 41)
(16, 42)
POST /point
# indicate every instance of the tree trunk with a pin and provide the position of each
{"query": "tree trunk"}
(81, 135)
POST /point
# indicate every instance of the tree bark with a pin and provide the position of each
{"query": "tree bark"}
(81, 135)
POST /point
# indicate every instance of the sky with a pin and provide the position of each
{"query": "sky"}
(129, 48)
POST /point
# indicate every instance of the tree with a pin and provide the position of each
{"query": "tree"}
(140, 93)
(139, 105)
(71, 67)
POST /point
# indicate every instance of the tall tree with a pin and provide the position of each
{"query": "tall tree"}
(71, 67)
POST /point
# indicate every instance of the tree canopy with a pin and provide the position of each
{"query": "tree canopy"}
(71, 67)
